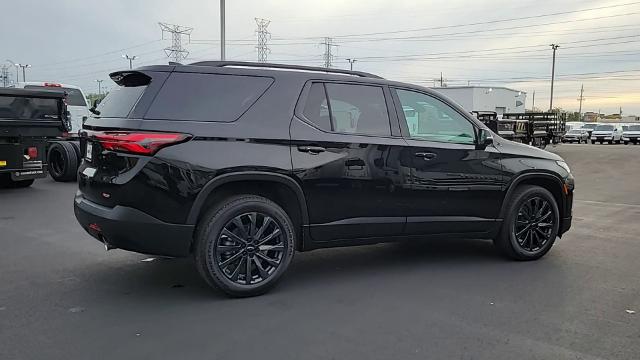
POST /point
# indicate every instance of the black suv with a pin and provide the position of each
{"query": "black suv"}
(242, 164)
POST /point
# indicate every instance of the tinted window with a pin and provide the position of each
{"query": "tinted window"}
(431, 119)
(74, 96)
(206, 97)
(358, 109)
(315, 107)
(17, 107)
(120, 101)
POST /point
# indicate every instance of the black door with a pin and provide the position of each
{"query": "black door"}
(456, 188)
(348, 158)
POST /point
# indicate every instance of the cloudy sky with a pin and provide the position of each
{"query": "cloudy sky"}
(493, 43)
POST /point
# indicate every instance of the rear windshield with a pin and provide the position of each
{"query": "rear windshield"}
(26, 108)
(604, 128)
(206, 97)
(634, 128)
(74, 96)
(120, 101)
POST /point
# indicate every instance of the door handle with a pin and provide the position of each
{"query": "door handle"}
(426, 155)
(313, 150)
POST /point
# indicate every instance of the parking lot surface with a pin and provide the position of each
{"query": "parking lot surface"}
(63, 297)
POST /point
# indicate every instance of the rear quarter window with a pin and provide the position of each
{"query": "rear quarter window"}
(207, 97)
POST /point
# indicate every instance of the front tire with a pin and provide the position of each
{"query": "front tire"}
(244, 245)
(531, 225)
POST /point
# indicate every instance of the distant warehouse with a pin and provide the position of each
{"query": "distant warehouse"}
(485, 98)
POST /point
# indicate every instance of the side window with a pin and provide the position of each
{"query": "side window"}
(316, 109)
(358, 109)
(431, 119)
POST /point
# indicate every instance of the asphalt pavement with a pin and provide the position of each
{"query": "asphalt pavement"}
(63, 297)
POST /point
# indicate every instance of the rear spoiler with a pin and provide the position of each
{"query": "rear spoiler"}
(130, 78)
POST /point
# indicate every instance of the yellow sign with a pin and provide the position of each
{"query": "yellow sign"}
(3, 163)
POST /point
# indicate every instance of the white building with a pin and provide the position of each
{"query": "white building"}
(486, 98)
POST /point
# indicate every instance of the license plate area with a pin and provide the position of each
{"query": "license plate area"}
(89, 153)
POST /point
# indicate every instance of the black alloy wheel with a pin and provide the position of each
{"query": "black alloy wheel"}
(244, 245)
(534, 224)
(250, 248)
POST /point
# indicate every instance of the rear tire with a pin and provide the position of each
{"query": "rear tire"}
(230, 243)
(63, 161)
(527, 232)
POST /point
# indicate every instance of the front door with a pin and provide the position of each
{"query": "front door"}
(456, 187)
(348, 159)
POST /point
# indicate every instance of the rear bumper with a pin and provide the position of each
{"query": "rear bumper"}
(133, 230)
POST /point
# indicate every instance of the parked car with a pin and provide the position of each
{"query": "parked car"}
(576, 135)
(241, 164)
(570, 125)
(611, 133)
(631, 134)
(589, 127)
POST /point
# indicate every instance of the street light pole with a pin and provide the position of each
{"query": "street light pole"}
(351, 61)
(222, 31)
(553, 73)
(24, 72)
(130, 58)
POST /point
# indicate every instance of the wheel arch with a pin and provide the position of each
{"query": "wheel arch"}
(282, 189)
(550, 182)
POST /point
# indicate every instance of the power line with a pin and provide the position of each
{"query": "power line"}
(262, 36)
(176, 51)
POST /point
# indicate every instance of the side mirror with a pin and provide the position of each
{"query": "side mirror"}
(485, 138)
(95, 104)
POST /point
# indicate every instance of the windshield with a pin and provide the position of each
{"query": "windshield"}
(74, 96)
(633, 128)
(575, 131)
(590, 126)
(604, 128)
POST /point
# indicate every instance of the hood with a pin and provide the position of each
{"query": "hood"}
(632, 132)
(602, 132)
(523, 150)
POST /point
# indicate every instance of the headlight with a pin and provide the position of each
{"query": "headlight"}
(563, 165)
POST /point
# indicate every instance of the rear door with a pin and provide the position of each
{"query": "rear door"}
(456, 188)
(350, 161)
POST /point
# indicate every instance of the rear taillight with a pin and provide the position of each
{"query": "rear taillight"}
(32, 153)
(140, 143)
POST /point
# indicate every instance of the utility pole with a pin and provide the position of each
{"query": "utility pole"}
(441, 79)
(580, 99)
(262, 35)
(222, 31)
(553, 73)
(24, 73)
(130, 58)
(533, 105)
(176, 51)
(351, 61)
(99, 86)
(328, 54)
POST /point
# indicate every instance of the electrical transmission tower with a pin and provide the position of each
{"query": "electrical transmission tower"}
(4, 75)
(262, 35)
(328, 51)
(176, 52)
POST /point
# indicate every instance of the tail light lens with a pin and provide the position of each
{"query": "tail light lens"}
(32, 153)
(139, 143)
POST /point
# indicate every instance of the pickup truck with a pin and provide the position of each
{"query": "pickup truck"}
(28, 120)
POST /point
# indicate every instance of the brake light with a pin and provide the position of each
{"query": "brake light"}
(52, 85)
(140, 143)
(32, 152)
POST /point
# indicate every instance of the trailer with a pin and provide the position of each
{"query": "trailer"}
(536, 129)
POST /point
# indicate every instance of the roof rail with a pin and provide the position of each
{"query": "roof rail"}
(249, 64)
